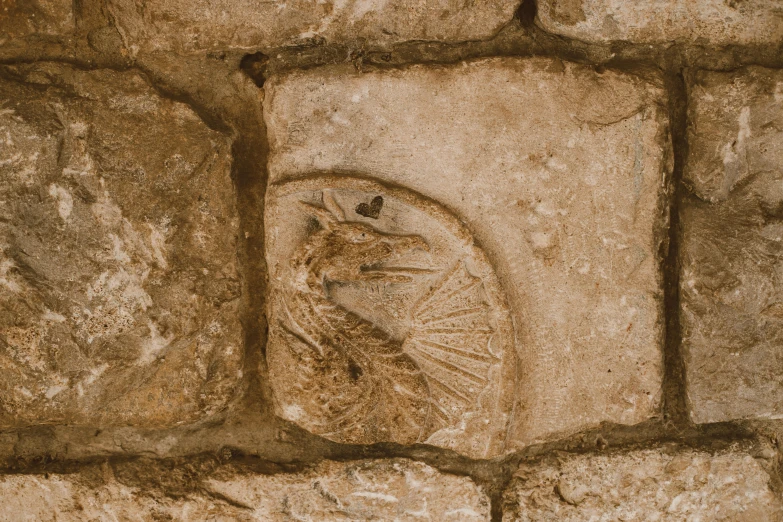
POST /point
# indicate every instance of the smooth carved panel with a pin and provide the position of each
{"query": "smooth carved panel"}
(387, 322)
(559, 173)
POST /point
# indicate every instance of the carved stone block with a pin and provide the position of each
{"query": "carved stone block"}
(718, 22)
(365, 490)
(732, 246)
(119, 291)
(204, 25)
(666, 484)
(465, 256)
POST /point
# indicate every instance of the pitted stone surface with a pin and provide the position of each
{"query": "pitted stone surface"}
(119, 291)
(367, 490)
(556, 173)
(20, 18)
(734, 130)
(204, 25)
(666, 485)
(716, 22)
(732, 247)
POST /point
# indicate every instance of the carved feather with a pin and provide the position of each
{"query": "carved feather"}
(353, 382)
(449, 340)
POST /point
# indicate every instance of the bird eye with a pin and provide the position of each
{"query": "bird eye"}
(361, 238)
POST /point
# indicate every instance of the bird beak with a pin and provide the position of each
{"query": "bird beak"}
(411, 259)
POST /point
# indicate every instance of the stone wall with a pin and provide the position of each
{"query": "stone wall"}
(414, 260)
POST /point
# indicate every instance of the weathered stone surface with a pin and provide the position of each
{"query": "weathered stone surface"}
(19, 18)
(718, 22)
(369, 490)
(544, 174)
(663, 484)
(732, 249)
(366, 490)
(187, 26)
(119, 290)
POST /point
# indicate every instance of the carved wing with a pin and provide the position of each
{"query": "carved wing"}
(449, 340)
(350, 381)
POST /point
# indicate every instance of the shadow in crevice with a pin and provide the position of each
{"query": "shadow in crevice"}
(255, 67)
(526, 14)
(674, 396)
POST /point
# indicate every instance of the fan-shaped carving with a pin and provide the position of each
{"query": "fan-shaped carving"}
(449, 340)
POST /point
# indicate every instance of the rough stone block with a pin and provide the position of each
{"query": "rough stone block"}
(663, 484)
(366, 490)
(119, 289)
(414, 214)
(187, 26)
(716, 22)
(732, 246)
(19, 18)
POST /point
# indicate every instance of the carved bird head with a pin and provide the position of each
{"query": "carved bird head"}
(344, 251)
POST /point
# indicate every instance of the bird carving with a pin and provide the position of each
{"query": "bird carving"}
(349, 379)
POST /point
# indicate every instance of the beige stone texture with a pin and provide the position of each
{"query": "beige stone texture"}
(715, 22)
(662, 484)
(544, 175)
(398, 490)
(204, 25)
(119, 290)
(20, 18)
(732, 249)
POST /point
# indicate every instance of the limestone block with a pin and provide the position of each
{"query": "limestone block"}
(119, 289)
(716, 22)
(732, 246)
(662, 484)
(19, 18)
(366, 490)
(467, 255)
(204, 25)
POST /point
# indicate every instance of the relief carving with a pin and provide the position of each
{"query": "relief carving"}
(386, 321)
